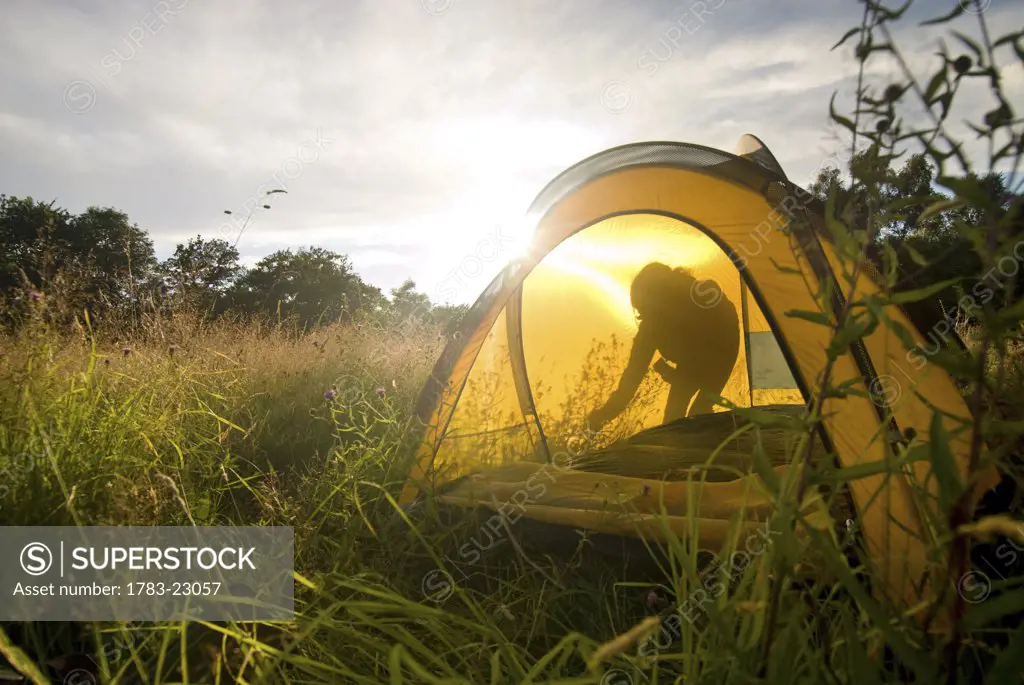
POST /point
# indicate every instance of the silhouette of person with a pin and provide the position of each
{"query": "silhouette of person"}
(693, 326)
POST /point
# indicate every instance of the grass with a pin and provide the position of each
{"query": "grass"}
(189, 423)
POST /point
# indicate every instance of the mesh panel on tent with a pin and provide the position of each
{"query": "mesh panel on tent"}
(487, 428)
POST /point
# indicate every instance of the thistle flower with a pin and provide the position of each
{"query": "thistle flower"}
(380, 393)
(330, 394)
(126, 350)
(35, 295)
(171, 349)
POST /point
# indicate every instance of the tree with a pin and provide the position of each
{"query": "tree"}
(94, 259)
(314, 285)
(116, 254)
(33, 236)
(406, 302)
(912, 184)
(929, 250)
(201, 271)
(829, 180)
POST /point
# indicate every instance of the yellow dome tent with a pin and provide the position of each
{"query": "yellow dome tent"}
(658, 278)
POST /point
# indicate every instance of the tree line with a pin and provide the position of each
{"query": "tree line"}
(102, 263)
(928, 247)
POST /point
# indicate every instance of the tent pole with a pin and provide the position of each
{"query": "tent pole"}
(746, 338)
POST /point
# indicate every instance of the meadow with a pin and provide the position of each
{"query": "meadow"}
(187, 422)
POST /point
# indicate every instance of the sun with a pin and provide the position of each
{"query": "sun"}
(518, 238)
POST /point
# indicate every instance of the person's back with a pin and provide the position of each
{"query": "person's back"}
(694, 328)
(699, 326)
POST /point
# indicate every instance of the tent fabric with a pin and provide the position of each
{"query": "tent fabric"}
(555, 336)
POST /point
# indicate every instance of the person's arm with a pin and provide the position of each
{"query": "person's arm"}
(639, 362)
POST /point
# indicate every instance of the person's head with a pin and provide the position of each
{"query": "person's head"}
(657, 285)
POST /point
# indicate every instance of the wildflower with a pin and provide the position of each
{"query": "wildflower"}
(654, 600)
(126, 350)
(35, 295)
(330, 394)
(380, 393)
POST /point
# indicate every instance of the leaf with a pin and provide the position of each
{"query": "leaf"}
(923, 293)
(895, 14)
(814, 317)
(933, 86)
(941, 206)
(903, 202)
(946, 100)
(943, 463)
(969, 189)
(957, 11)
(903, 334)
(957, 363)
(914, 255)
(982, 132)
(846, 37)
(1005, 151)
(845, 389)
(768, 419)
(1019, 49)
(971, 45)
(764, 468)
(21, 661)
(893, 264)
(839, 119)
(1009, 316)
(851, 473)
(1007, 428)
(785, 269)
(1008, 663)
(987, 613)
(863, 668)
(202, 509)
(850, 333)
(1008, 38)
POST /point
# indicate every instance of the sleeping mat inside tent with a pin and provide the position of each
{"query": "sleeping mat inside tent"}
(697, 470)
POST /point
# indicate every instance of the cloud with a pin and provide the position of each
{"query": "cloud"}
(442, 126)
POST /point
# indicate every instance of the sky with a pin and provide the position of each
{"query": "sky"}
(410, 135)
